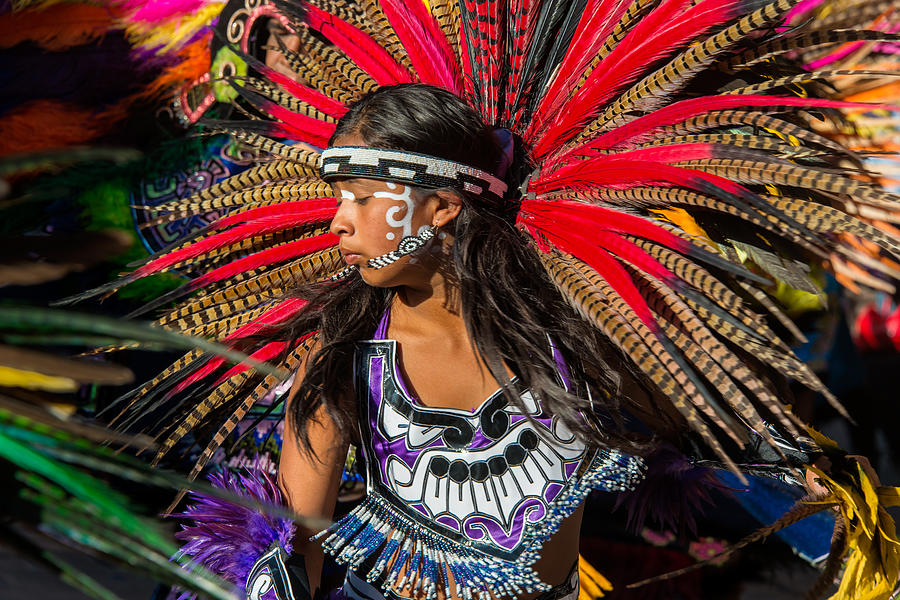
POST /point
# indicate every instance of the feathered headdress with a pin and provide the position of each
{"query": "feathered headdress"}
(680, 158)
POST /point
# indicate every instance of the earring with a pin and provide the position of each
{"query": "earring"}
(343, 273)
(407, 246)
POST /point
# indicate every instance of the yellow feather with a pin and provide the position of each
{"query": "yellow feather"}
(174, 34)
(592, 584)
(873, 562)
(31, 380)
(683, 219)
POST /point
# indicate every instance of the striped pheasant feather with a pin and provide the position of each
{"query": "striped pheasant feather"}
(677, 150)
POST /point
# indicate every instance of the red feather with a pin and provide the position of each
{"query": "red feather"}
(301, 127)
(362, 49)
(275, 255)
(260, 226)
(601, 219)
(679, 111)
(601, 261)
(267, 352)
(596, 23)
(606, 171)
(664, 30)
(523, 25)
(428, 48)
(313, 97)
(483, 17)
(277, 314)
(312, 206)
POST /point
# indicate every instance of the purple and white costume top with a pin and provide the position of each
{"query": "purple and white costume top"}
(472, 494)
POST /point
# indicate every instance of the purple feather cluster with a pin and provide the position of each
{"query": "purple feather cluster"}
(227, 538)
(672, 493)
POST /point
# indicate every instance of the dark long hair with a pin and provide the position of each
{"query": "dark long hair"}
(509, 305)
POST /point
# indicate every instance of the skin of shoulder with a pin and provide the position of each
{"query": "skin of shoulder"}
(309, 480)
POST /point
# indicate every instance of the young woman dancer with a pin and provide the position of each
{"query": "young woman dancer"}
(458, 368)
(585, 181)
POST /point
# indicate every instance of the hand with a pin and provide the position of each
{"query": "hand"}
(813, 483)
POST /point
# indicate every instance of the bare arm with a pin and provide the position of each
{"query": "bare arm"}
(310, 480)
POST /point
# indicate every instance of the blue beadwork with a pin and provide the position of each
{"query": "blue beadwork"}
(374, 526)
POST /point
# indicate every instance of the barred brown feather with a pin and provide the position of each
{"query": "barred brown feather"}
(581, 285)
(675, 72)
(290, 364)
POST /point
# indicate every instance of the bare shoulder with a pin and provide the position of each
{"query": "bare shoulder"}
(307, 475)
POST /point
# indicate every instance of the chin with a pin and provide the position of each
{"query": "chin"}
(398, 274)
(377, 278)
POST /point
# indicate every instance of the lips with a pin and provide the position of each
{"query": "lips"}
(351, 258)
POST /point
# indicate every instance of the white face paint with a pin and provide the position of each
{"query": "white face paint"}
(345, 195)
(390, 215)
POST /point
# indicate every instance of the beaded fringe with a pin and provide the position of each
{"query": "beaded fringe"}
(375, 526)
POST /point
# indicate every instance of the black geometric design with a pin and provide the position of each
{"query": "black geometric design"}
(408, 167)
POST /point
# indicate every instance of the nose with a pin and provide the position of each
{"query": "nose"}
(341, 224)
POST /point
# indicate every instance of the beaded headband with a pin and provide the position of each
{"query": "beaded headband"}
(408, 167)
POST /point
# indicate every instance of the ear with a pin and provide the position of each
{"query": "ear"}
(447, 205)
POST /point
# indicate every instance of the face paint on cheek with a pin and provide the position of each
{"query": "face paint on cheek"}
(405, 195)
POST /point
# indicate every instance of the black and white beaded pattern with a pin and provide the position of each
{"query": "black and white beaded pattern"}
(409, 167)
(407, 245)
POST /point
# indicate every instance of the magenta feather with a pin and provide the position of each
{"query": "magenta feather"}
(157, 12)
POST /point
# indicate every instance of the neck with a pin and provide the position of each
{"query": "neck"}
(433, 303)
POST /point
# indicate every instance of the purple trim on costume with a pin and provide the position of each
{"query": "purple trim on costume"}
(381, 331)
(531, 510)
(531, 476)
(561, 366)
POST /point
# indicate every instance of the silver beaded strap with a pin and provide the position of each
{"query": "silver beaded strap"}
(408, 245)
(409, 167)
